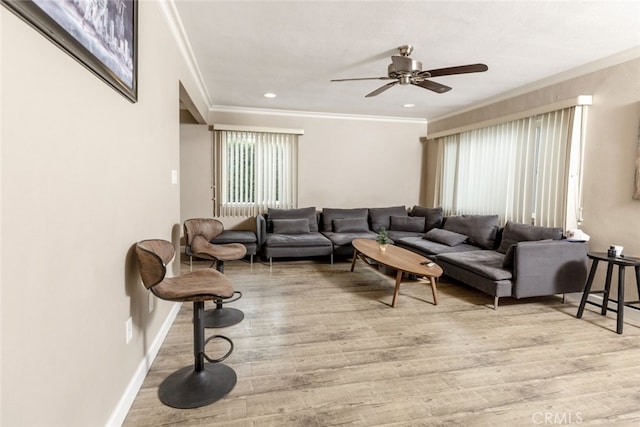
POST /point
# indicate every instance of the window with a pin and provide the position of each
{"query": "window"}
(254, 170)
(525, 170)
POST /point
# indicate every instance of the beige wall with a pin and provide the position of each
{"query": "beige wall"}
(196, 169)
(611, 216)
(84, 174)
(344, 162)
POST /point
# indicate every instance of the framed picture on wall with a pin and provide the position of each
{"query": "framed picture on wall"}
(100, 34)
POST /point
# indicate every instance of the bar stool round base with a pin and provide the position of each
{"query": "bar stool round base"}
(187, 388)
(222, 317)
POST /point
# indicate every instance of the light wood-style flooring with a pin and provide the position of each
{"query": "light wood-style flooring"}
(321, 346)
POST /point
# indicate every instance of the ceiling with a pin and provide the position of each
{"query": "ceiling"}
(245, 49)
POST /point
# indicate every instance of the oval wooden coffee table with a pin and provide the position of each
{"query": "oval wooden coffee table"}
(399, 259)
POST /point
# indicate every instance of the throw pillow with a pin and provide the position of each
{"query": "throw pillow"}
(507, 261)
(350, 225)
(309, 213)
(329, 214)
(515, 232)
(381, 217)
(291, 226)
(445, 237)
(481, 229)
(432, 216)
(407, 223)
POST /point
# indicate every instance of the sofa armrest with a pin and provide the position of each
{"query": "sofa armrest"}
(549, 268)
(261, 229)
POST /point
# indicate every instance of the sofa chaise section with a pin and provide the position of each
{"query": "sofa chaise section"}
(530, 261)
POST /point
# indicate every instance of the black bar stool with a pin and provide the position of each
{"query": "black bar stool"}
(622, 263)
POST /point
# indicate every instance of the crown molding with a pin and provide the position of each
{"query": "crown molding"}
(312, 114)
(179, 34)
(560, 105)
(591, 67)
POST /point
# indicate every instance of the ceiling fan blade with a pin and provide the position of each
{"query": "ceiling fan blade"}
(433, 86)
(381, 89)
(461, 69)
(362, 78)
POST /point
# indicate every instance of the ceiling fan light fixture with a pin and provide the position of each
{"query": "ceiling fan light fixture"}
(405, 79)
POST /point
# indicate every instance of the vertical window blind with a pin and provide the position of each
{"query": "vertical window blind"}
(254, 171)
(520, 170)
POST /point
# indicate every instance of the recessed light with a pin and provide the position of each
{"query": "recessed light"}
(270, 95)
(409, 105)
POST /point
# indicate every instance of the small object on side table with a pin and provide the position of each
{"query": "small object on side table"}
(622, 263)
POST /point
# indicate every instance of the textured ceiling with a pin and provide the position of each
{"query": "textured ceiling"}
(293, 48)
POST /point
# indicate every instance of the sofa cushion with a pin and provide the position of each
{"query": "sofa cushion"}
(515, 232)
(446, 237)
(296, 240)
(381, 217)
(329, 214)
(429, 247)
(350, 225)
(342, 239)
(480, 229)
(309, 213)
(291, 226)
(406, 223)
(484, 263)
(236, 236)
(432, 216)
(397, 235)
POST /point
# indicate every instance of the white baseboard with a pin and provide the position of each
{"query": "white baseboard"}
(130, 393)
(629, 313)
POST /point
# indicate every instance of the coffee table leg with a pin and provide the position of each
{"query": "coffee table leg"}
(434, 290)
(355, 256)
(397, 289)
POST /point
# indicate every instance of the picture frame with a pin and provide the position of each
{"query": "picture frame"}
(100, 34)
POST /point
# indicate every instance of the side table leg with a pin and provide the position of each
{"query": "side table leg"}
(607, 290)
(620, 299)
(587, 288)
(638, 279)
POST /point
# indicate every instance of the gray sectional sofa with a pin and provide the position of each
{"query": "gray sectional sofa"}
(518, 260)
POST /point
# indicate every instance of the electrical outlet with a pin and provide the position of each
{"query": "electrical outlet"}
(129, 328)
(151, 301)
(174, 176)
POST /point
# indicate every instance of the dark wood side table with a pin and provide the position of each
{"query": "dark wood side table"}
(622, 263)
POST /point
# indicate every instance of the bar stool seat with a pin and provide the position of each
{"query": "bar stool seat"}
(202, 248)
